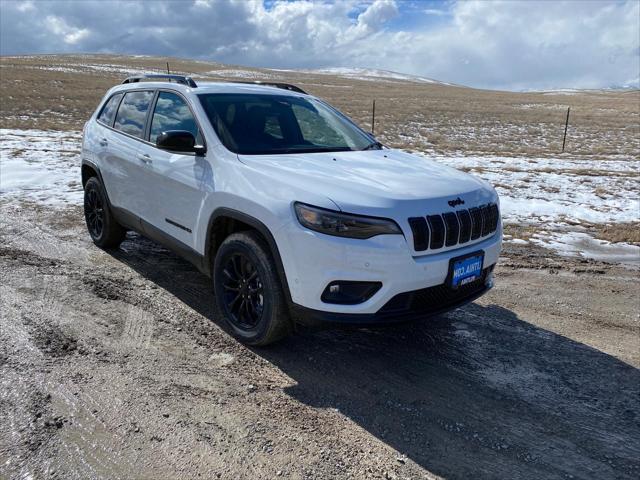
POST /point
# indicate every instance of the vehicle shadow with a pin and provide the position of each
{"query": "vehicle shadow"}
(477, 393)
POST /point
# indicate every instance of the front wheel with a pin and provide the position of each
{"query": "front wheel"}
(103, 228)
(248, 291)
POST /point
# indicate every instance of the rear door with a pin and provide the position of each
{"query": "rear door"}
(177, 182)
(123, 170)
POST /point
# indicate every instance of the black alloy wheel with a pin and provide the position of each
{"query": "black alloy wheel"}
(102, 225)
(243, 291)
(94, 211)
(249, 294)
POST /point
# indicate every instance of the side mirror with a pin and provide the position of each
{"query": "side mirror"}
(179, 141)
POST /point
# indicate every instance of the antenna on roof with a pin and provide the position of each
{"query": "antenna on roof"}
(373, 118)
(168, 72)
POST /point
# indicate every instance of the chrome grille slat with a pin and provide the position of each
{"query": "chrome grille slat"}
(454, 228)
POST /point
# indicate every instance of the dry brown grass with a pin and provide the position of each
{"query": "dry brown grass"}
(619, 232)
(415, 116)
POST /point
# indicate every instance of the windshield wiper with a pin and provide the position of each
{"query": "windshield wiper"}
(373, 146)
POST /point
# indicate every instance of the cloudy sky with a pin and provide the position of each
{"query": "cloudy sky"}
(513, 45)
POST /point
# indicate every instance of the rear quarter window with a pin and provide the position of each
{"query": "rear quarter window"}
(132, 113)
(108, 112)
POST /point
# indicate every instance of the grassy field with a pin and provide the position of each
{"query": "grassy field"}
(60, 91)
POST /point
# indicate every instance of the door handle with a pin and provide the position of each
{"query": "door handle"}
(146, 159)
(104, 142)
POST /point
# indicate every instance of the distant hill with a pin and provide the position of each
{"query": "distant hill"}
(60, 92)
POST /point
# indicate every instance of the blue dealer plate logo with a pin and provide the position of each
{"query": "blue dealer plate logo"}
(466, 270)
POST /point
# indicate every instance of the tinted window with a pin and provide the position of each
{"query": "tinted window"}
(171, 113)
(269, 124)
(109, 109)
(133, 112)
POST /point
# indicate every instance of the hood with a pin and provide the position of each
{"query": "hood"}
(373, 181)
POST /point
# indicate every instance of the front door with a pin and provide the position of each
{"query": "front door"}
(178, 183)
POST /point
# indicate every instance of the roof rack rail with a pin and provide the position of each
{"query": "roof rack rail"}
(284, 86)
(162, 76)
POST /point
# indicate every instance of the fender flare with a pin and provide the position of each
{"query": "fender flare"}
(257, 225)
(96, 169)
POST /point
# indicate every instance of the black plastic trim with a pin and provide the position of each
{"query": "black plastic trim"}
(311, 317)
(181, 249)
(437, 231)
(453, 228)
(280, 85)
(420, 232)
(260, 227)
(176, 224)
(371, 288)
(465, 225)
(154, 76)
(127, 219)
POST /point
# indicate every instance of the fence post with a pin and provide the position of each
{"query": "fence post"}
(373, 118)
(566, 125)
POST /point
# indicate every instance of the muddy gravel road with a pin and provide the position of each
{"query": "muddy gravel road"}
(112, 366)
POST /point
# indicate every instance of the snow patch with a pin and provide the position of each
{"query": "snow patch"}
(368, 74)
(38, 165)
(543, 190)
(236, 73)
(580, 244)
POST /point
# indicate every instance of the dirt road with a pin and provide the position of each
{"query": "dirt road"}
(111, 368)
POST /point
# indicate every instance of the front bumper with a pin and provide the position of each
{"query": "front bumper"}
(404, 307)
(312, 260)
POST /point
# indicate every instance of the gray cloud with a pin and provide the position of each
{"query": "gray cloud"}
(510, 45)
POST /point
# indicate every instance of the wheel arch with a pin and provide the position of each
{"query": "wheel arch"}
(223, 222)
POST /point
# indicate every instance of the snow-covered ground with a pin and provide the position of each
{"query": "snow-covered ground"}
(38, 165)
(368, 74)
(551, 190)
(553, 195)
(558, 195)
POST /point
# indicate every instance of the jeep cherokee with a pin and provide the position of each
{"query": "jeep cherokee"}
(296, 213)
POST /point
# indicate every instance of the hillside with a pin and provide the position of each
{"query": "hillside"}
(60, 91)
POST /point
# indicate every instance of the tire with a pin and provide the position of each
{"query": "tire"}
(103, 228)
(248, 291)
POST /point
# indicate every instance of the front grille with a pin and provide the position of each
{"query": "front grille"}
(435, 299)
(454, 228)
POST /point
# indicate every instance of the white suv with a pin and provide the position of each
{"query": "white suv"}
(296, 213)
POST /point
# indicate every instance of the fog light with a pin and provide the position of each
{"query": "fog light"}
(345, 292)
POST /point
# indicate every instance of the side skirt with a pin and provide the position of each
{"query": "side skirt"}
(133, 222)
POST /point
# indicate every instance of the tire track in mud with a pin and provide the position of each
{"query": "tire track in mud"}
(138, 329)
(55, 425)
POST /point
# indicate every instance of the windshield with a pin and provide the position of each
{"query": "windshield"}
(254, 124)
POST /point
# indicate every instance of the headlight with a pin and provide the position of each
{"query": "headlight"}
(343, 224)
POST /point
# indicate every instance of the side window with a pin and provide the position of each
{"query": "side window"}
(172, 113)
(133, 112)
(109, 109)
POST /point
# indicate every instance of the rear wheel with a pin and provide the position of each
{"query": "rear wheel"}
(248, 291)
(103, 228)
